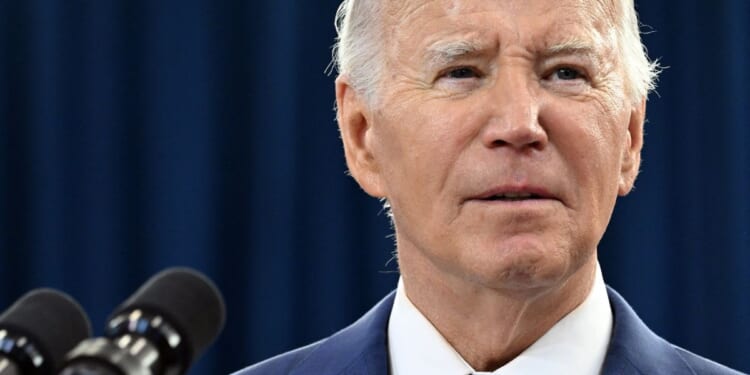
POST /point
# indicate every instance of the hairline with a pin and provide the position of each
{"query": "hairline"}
(639, 75)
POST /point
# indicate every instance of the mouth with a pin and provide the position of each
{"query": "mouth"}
(512, 197)
(515, 194)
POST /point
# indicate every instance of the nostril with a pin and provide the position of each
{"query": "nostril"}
(499, 143)
(535, 145)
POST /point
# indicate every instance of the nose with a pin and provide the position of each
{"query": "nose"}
(514, 120)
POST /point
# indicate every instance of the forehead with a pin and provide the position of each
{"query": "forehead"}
(544, 22)
(409, 9)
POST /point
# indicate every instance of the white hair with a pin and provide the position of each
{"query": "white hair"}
(641, 73)
(358, 52)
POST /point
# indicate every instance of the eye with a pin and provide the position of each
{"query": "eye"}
(462, 72)
(567, 80)
(567, 74)
(461, 79)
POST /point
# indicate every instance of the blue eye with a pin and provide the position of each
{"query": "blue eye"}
(567, 74)
(462, 73)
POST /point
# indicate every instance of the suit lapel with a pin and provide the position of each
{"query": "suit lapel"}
(634, 348)
(360, 349)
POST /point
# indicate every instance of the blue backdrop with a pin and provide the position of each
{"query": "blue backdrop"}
(137, 135)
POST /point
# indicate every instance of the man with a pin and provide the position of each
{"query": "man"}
(500, 133)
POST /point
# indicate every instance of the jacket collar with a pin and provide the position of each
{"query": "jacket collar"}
(361, 348)
(634, 348)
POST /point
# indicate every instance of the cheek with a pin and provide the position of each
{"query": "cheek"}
(419, 146)
(590, 142)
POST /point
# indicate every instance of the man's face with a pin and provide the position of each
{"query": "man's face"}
(501, 136)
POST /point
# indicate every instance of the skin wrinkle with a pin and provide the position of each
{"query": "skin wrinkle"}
(601, 22)
(445, 50)
(608, 14)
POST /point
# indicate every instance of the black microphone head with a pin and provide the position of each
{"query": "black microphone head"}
(51, 320)
(187, 300)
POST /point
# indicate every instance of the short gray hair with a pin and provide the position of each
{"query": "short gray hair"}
(358, 52)
(641, 73)
(358, 49)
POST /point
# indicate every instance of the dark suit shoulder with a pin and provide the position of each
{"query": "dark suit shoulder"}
(635, 349)
(357, 349)
(703, 366)
(281, 364)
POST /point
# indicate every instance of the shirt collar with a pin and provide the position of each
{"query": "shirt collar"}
(577, 344)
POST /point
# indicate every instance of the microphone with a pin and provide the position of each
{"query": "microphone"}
(38, 330)
(160, 330)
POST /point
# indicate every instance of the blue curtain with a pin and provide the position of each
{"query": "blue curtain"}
(137, 135)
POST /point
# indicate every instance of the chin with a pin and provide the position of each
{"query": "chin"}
(526, 269)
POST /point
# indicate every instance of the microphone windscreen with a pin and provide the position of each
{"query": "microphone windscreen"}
(51, 320)
(186, 299)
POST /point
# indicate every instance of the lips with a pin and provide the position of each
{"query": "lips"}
(515, 193)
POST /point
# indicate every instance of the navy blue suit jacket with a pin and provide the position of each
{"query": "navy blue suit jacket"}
(361, 349)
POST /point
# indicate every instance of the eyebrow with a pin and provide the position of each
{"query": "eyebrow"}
(444, 52)
(571, 47)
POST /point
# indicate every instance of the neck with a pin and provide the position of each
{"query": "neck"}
(487, 326)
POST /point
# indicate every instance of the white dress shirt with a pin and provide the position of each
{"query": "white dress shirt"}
(576, 344)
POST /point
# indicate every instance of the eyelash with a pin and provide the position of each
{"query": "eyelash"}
(560, 77)
(460, 72)
(464, 72)
(577, 72)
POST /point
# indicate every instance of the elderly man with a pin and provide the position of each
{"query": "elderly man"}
(500, 133)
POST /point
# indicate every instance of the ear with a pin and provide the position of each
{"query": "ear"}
(355, 124)
(631, 155)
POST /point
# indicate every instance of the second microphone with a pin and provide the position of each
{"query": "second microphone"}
(160, 330)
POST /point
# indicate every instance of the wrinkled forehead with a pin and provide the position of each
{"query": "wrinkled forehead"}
(599, 9)
(412, 19)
